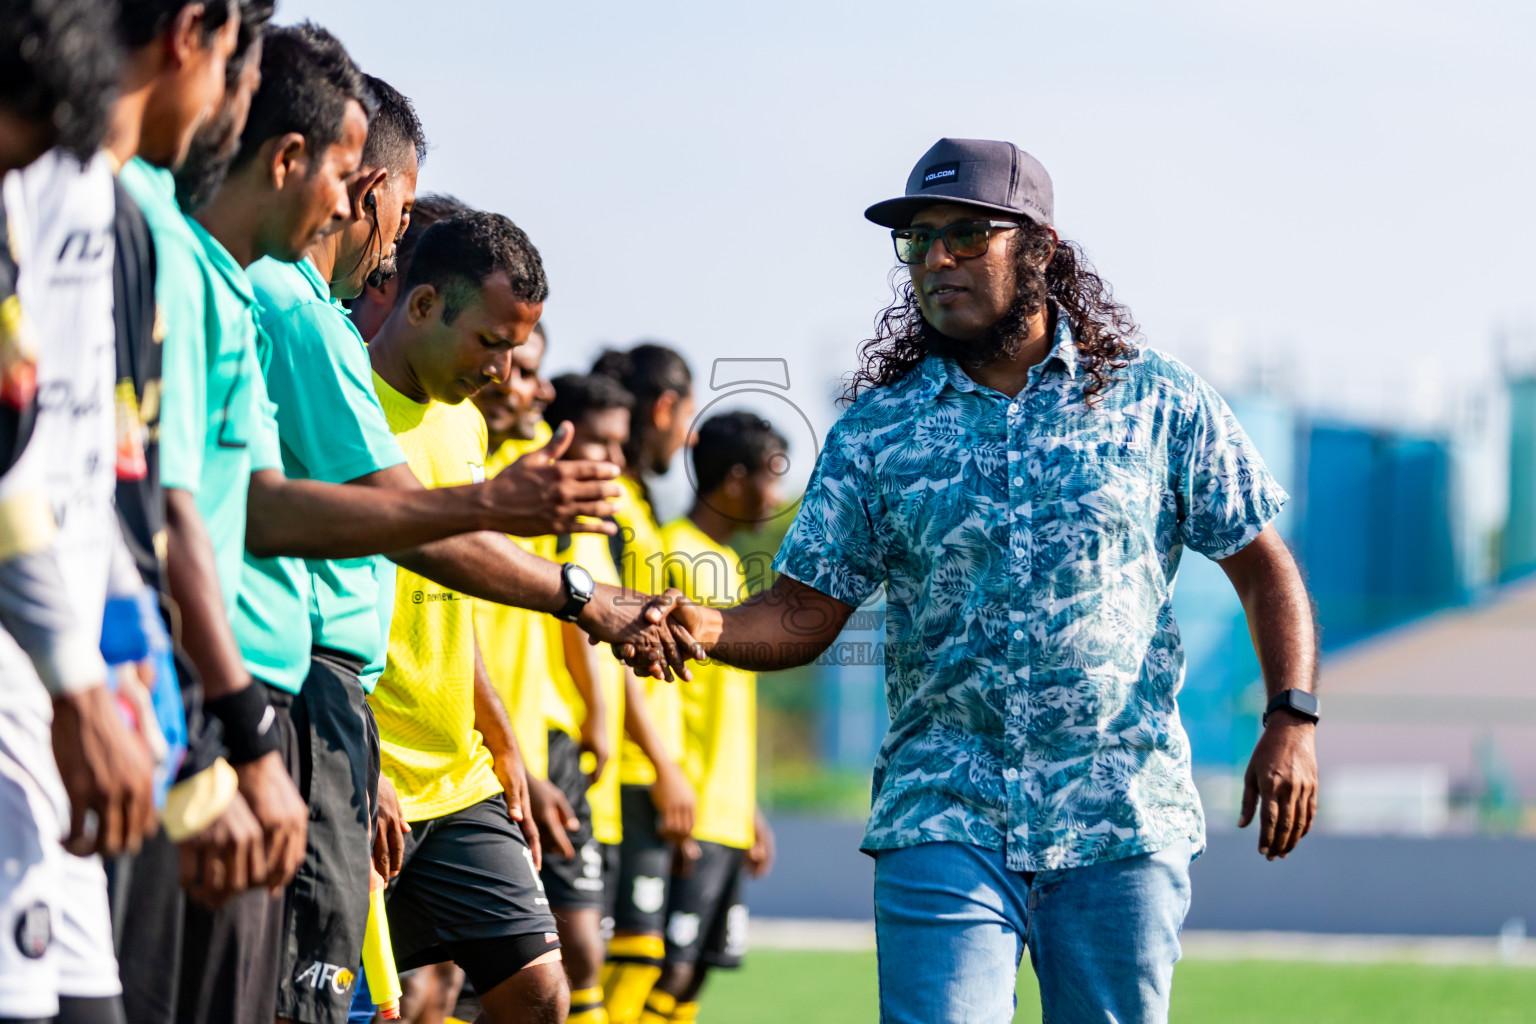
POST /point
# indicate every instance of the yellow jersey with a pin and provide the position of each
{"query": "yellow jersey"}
(425, 699)
(591, 552)
(720, 704)
(640, 564)
(515, 641)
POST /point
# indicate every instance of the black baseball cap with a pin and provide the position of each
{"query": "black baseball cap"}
(996, 176)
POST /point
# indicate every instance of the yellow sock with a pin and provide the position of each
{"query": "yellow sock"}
(587, 1007)
(686, 1013)
(658, 1008)
(632, 968)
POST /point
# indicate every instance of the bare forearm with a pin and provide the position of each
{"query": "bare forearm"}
(194, 581)
(488, 566)
(1280, 615)
(308, 519)
(492, 567)
(790, 624)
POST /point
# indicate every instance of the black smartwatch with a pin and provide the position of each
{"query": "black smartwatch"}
(1300, 703)
(578, 586)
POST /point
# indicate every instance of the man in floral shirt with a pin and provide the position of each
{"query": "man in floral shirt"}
(1023, 477)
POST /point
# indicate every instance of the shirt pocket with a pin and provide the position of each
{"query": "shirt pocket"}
(1094, 516)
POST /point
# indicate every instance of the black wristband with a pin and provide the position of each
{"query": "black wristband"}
(249, 722)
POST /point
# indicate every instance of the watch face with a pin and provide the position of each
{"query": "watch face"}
(580, 581)
(1304, 702)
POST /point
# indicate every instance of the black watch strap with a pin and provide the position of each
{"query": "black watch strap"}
(1300, 703)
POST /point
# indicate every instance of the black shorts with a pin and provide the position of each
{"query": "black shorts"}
(326, 904)
(468, 893)
(645, 866)
(706, 916)
(574, 883)
(230, 957)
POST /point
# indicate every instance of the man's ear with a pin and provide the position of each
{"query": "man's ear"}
(186, 35)
(289, 155)
(365, 183)
(423, 305)
(664, 410)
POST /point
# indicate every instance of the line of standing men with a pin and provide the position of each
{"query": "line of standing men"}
(305, 513)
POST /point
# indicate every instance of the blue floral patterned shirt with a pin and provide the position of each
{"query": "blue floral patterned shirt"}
(1028, 548)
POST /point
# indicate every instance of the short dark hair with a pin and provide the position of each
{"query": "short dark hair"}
(395, 129)
(141, 21)
(307, 80)
(456, 255)
(59, 62)
(577, 394)
(429, 209)
(647, 371)
(731, 439)
(254, 15)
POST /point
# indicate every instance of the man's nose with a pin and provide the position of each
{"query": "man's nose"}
(342, 208)
(500, 367)
(938, 255)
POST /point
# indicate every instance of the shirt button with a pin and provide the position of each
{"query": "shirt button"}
(1018, 481)
(1018, 634)
(1013, 407)
(1011, 774)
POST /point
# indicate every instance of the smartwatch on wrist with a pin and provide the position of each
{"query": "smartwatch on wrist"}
(579, 588)
(1300, 703)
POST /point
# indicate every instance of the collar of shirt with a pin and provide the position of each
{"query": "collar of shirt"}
(937, 371)
(311, 275)
(229, 269)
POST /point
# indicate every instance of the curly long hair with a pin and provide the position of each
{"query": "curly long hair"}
(1102, 328)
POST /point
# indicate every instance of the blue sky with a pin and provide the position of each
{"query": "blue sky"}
(1338, 191)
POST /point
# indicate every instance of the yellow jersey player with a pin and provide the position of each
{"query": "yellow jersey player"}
(657, 804)
(738, 462)
(514, 641)
(589, 718)
(468, 890)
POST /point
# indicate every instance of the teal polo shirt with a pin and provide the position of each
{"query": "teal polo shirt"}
(330, 428)
(216, 421)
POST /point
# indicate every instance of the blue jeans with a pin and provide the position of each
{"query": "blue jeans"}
(952, 921)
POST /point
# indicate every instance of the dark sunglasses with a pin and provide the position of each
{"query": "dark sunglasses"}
(965, 240)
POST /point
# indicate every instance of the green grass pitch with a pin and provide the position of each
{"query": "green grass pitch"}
(839, 988)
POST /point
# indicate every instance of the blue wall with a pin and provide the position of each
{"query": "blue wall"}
(1377, 540)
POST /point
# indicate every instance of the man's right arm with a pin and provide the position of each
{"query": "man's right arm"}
(787, 625)
(389, 510)
(490, 566)
(210, 643)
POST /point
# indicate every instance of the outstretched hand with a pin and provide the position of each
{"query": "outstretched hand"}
(654, 639)
(540, 494)
(1281, 783)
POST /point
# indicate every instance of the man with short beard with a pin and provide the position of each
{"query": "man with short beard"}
(1023, 477)
(370, 309)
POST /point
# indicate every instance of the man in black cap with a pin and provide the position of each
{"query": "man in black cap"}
(1023, 476)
